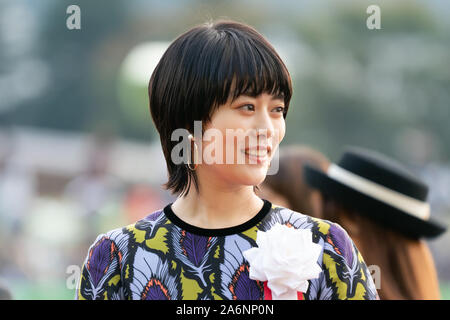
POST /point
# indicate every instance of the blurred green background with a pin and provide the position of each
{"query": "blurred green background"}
(79, 154)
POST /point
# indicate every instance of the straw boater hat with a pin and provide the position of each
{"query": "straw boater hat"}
(381, 189)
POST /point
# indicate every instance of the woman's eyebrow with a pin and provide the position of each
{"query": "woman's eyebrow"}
(278, 96)
(242, 97)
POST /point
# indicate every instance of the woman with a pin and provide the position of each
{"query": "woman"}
(383, 208)
(227, 78)
(288, 188)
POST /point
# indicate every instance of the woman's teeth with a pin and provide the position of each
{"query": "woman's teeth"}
(257, 153)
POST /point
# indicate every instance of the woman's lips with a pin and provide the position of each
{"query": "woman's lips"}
(259, 154)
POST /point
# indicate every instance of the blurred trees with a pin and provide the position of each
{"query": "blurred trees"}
(372, 87)
(385, 89)
(75, 98)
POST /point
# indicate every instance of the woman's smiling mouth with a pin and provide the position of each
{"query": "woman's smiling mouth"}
(257, 155)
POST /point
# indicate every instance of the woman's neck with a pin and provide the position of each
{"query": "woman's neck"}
(216, 207)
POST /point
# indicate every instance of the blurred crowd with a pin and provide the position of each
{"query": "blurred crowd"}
(48, 221)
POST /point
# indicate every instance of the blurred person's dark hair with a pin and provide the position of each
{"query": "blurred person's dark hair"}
(363, 193)
(204, 68)
(287, 187)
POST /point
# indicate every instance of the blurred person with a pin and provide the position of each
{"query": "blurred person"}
(230, 77)
(384, 209)
(288, 188)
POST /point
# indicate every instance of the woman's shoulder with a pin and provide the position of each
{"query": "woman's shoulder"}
(345, 274)
(137, 231)
(299, 220)
(326, 233)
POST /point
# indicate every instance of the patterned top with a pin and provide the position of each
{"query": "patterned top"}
(163, 257)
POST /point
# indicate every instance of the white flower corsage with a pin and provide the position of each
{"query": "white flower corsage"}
(286, 258)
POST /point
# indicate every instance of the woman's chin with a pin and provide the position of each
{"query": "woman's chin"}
(253, 174)
(242, 174)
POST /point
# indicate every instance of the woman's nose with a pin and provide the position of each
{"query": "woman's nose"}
(265, 126)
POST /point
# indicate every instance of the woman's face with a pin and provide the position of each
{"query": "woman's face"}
(251, 129)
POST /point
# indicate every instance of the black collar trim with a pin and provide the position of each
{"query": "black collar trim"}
(221, 231)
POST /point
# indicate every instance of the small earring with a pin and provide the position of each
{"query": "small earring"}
(191, 138)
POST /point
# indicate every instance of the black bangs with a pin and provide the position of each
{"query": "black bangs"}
(246, 65)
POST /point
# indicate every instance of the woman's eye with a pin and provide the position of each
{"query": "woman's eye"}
(249, 107)
(279, 109)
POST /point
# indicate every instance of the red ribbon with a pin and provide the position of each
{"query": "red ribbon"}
(268, 293)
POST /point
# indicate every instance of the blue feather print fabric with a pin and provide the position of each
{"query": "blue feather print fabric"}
(162, 258)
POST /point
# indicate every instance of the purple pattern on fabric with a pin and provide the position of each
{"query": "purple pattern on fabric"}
(195, 247)
(99, 259)
(153, 216)
(244, 287)
(342, 242)
(155, 293)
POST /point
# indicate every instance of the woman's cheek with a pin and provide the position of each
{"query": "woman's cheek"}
(280, 132)
(281, 136)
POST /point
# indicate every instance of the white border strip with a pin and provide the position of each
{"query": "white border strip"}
(400, 201)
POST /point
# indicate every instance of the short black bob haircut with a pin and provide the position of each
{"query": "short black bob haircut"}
(202, 69)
